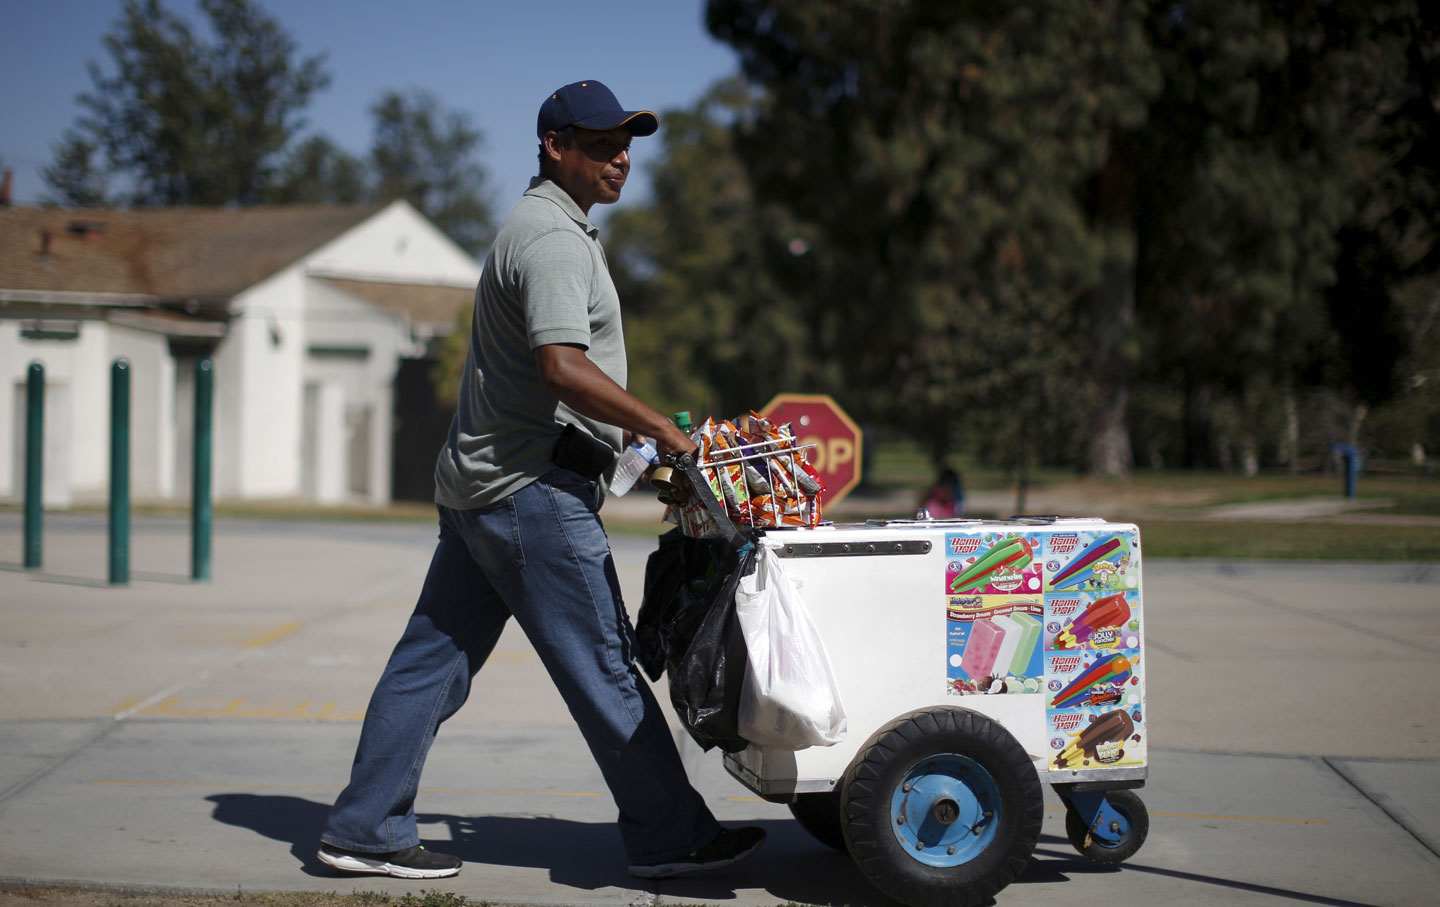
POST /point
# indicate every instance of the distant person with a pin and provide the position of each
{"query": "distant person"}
(946, 498)
(542, 416)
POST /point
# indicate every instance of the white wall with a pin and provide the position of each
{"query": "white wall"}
(16, 354)
(262, 371)
(338, 329)
(88, 369)
(152, 411)
(78, 376)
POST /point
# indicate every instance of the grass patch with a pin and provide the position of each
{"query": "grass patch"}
(1309, 541)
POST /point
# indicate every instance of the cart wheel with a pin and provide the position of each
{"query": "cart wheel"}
(941, 807)
(819, 814)
(1132, 809)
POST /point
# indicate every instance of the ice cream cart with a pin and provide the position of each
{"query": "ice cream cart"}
(976, 661)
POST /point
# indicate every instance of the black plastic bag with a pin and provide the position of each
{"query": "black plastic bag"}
(687, 629)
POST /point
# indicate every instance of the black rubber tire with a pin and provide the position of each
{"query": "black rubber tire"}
(886, 759)
(819, 814)
(1127, 804)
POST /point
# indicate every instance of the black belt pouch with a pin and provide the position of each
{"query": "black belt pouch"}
(577, 451)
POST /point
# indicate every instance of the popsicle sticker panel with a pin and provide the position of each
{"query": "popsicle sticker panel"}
(1097, 738)
(1095, 709)
(1092, 678)
(994, 644)
(1106, 560)
(1092, 620)
(991, 563)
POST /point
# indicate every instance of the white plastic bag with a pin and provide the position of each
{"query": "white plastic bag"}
(789, 699)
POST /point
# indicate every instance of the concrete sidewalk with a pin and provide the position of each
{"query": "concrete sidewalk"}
(174, 735)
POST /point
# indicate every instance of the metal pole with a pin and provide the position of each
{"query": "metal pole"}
(200, 508)
(120, 472)
(34, 461)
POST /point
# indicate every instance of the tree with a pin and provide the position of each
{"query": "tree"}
(74, 177)
(1273, 175)
(318, 172)
(709, 272)
(426, 155)
(946, 155)
(189, 122)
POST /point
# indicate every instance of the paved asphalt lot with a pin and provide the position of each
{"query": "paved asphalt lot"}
(174, 735)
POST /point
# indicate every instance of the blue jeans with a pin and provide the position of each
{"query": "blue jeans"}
(540, 555)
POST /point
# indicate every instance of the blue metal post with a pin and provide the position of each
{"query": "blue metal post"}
(200, 508)
(34, 462)
(1351, 457)
(120, 472)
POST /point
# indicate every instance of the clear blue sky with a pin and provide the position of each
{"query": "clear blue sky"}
(494, 60)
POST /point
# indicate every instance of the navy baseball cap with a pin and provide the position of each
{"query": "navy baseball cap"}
(590, 105)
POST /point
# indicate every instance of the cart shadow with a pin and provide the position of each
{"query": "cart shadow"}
(1054, 861)
(792, 867)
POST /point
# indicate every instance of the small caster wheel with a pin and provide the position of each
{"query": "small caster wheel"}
(819, 814)
(941, 808)
(1124, 837)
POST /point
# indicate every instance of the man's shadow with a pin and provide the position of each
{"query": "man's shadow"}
(580, 854)
(583, 855)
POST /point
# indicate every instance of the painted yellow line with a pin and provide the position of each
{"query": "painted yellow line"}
(279, 633)
(239, 708)
(1061, 809)
(229, 785)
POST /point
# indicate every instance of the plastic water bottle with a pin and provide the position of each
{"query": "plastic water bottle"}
(633, 463)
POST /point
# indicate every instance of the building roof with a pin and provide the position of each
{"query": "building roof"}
(168, 254)
(434, 307)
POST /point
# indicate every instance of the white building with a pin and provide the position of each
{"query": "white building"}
(307, 313)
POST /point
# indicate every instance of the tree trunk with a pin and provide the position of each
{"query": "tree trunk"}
(1112, 314)
(1109, 452)
(1197, 424)
(1291, 446)
(1361, 411)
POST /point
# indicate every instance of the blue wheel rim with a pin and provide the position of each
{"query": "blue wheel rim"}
(946, 810)
(1104, 837)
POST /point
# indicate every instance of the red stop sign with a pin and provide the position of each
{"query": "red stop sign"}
(817, 419)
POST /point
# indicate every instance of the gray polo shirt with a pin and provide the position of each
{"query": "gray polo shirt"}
(545, 281)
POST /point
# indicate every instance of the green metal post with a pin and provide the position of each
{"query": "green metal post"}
(120, 472)
(200, 510)
(34, 461)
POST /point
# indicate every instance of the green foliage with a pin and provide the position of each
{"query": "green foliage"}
(1022, 215)
(74, 176)
(426, 156)
(196, 123)
(447, 370)
(317, 172)
(943, 156)
(1264, 264)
